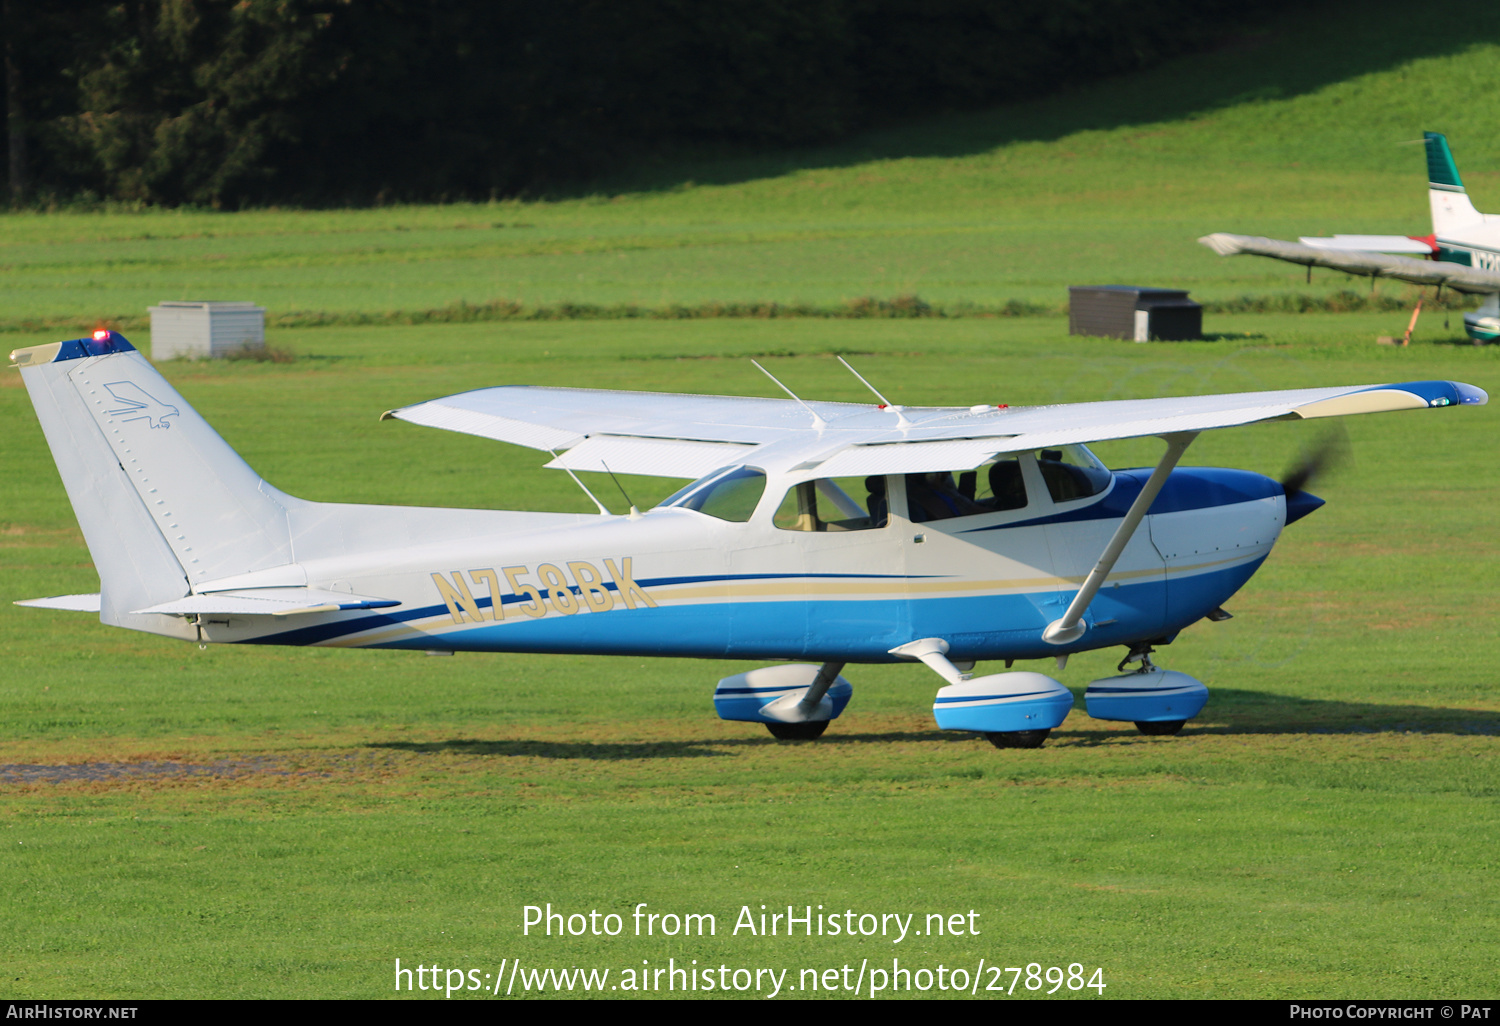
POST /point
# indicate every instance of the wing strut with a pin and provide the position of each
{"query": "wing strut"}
(1071, 627)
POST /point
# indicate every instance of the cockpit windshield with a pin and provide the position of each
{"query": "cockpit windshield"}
(1072, 472)
(729, 493)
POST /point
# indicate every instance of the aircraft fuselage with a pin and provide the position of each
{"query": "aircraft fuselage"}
(679, 582)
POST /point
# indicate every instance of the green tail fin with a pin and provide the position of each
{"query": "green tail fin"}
(1440, 167)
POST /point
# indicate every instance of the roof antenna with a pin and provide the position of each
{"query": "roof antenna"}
(635, 514)
(580, 484)
(885, 404)
(818, 422)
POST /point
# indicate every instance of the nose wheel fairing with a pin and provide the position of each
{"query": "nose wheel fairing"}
(1003, 703)
(1150, 696)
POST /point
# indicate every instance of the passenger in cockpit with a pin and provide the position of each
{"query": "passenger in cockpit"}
(934, 496)
(876, 502)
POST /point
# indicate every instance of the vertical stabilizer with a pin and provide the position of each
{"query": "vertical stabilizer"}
(1451, 207)
(164, 503)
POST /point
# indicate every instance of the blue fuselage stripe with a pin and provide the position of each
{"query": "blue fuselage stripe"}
(976, 627)
(1187, 488)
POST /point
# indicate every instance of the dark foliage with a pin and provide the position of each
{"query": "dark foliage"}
(320, 101)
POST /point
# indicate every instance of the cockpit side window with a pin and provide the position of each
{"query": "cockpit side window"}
(829, 504)
(729, 494)
(1072, 472)
(939, 497)
(1006, 488)
(995, 487)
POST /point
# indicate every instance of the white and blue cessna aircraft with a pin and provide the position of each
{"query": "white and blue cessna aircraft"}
(1462, 253)
(825, 533)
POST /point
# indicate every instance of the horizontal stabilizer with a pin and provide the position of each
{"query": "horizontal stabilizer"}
(267, 602)
(73, 603)
(1378, 265)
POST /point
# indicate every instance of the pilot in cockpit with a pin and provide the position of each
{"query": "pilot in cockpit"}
(1007, 489)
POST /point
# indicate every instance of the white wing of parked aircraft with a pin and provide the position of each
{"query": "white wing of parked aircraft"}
(1462, 253)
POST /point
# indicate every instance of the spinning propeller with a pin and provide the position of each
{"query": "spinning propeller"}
(1329, 452)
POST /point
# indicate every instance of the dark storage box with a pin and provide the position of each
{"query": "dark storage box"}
(1129, 311)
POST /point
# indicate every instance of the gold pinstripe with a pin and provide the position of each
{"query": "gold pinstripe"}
(771, 590)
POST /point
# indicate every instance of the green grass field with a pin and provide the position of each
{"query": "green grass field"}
(1295, 131)
(289, 822)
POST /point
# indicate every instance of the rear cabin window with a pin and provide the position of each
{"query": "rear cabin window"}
(834, 504)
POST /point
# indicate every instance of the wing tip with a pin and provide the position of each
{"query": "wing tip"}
(1470, 395)
(1222, 243)
(1405, 395)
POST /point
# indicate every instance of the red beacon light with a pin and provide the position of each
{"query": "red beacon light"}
(102, 335)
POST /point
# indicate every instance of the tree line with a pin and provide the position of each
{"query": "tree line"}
(241, 102)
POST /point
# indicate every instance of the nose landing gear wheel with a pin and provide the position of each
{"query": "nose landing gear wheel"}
(809, 731)
(1160, 728)
(1017, 738)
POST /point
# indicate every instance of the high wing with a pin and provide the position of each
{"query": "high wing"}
(1459, 277)
(689, 435)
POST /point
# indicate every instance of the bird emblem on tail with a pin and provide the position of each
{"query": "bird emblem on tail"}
(139, 404)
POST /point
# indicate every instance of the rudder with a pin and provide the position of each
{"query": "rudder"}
(1451, 206)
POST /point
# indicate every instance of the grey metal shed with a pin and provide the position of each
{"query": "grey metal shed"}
(200, 330)
(1133, 312)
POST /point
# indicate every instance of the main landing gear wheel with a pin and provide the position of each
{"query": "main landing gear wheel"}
(1161, 728)
(808, 731)
(1017, 738)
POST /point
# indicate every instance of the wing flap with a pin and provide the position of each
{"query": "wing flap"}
(655, 457)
